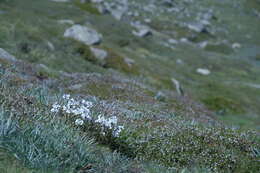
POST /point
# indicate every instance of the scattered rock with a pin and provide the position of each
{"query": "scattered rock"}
(172, 41)
(203, 44)
(97, 1)
(236, 46)
(66, 21)
(50, 46)
(60, 0)
(198, 27)
(75, 87)
(83, 34)
(117, 9)
(203, 71)
(177, 86)
(141, 30)
(100, 54)
(257, 86)
(6, 56)
(160, 96)
(184, 40)
(147, 20)
(179, 61)
(129, 61)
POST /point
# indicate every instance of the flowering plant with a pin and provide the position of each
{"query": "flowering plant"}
(82, 110)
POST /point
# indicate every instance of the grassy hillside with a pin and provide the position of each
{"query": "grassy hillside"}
(134, 118)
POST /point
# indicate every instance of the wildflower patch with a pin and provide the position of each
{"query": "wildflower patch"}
(81, 109)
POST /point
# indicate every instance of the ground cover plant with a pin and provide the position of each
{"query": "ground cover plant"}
(158, 93)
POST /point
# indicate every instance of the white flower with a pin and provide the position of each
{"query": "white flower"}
(87, 103)
(86, 115)
(110, 123)
(79, 122)
(55, 107)
(118, 131)
(66, 96)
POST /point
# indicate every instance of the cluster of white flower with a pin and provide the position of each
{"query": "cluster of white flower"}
(82, 108)
(72, 106)
(110, 123)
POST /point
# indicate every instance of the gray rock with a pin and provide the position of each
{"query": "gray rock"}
(117, 8)
(100, 54)
(177, 86)
(147, 20)
(179, 61)
(83, 34)
(6, 56)
(203, 71)
(2, 12)
(160, 96)
(117, 13)
(76, 87)
(66, 21)
(198, 27)
(236, 46)
(142, 32)
(60, 0)
(97, 1)
(173, 41)
(129, 61)
(50, 46)
(203, 44)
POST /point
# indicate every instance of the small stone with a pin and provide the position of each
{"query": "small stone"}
(172, 41)
(147, 20)
(60, 0)
(177, 86)
(50, 46)
(203, 44)
(160, 96)
(184, 40)
(66, 21)
(83, 34)
(129, 61)
(142, 32)
(203, 71)
(76, 87)
(236, 46)
(100, 54)
(179, 61)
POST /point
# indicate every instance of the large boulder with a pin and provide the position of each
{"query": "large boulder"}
(83, 34)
